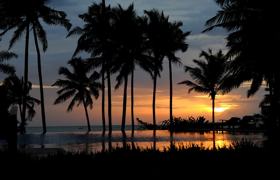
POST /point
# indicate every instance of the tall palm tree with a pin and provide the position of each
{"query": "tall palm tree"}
(6, 68)
(176, 39)
(78, 85)
(95, 39)
(130, 51)
(209, 76)
(30, 16)
(16, 93)
(157, 24)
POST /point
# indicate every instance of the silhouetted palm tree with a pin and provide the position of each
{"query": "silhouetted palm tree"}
(78, 85)
(176, 42)
(209, 75)
(130, 51)
(30, 15)
(4, 67)
(157, 24)
(251, 29)
(95, 39)
(16, 93)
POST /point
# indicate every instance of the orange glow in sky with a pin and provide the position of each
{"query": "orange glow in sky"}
(184, 105)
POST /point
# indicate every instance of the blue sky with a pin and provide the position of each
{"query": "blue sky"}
(193, 14)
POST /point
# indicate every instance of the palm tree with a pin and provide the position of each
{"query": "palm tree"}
(6, 68)
(29, 16)
(157, 24)
(176, 42)
(248, 23)
(16, 93)
(209, 76)
(78, 85)
(95, 39)
(130, 50)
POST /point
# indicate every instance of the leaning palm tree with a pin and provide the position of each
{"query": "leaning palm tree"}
(95, 39)
(16, 93)
(30, 16)
(78, 85)
(209, 76)
(6, 68)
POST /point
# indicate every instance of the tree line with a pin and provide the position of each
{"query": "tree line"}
(117, 40)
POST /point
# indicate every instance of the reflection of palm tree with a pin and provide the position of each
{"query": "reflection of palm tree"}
(29, 16)
(77, 85)
(5, 68)
(208, 76)
(95, 39)
(16, 93)
(214, 140)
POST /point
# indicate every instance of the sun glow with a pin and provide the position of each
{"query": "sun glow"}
(219, 109)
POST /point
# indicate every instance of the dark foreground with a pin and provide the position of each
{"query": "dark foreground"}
(133, 163)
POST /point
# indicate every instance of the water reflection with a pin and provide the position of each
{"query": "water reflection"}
(156, 140)
(214, 140)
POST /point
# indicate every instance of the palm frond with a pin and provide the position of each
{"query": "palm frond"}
(40, 32)
(75, 31)
(17, 34)
(65, 96)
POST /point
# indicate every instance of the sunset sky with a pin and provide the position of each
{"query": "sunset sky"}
(193, 14)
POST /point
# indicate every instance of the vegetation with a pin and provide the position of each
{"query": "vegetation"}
(4, 67)
(95, 38)
(116, 40)
(246, 123)
(16, 93)
(250, 60)
(30, 16)
(180, 124)
(209, 76)
(243, 158)
(78, 85)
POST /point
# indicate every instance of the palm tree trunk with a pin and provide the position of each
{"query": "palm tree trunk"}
(20, 112)
(109, 102)
(22, 125)
(124, 104)
(103, 100)
(213, 111)
(132, 101)
(86, 111)
(154, 100)
(41, 83)
(171, 96)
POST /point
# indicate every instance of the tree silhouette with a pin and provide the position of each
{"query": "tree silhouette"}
(209, 75)
(130, 51)
(157, 24)
(251, 30)
(176, 42)
(95, 38)
(78, 85)
(4, 67)
(16, 94)
(29, 16)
